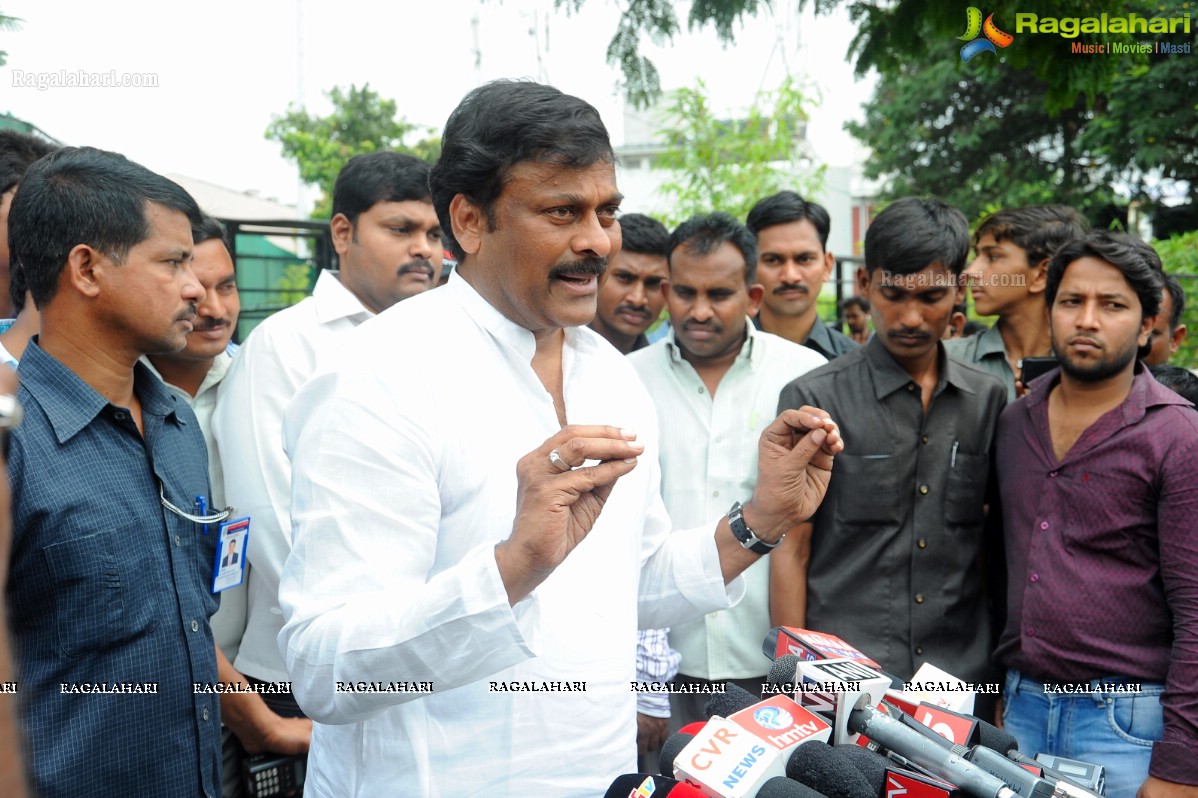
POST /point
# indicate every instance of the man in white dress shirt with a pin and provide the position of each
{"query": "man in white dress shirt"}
(195, 374)
(475, 538)
(715, 381)
(388, 241)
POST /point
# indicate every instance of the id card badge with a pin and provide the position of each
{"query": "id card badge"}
(230, 554)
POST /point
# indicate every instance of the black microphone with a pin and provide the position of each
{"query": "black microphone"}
(638, 784)
(782, 787)
(887, 778)
(824, 768)
(733, 699)
(670, 750)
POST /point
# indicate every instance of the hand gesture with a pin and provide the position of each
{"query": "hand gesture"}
(558, 500)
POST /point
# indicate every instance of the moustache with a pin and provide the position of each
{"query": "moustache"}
(625, 307)
(709, 326)
(595, 266)
(188, 314)
(420, 264)
(792, 287)
(908, 334)
(212, 325)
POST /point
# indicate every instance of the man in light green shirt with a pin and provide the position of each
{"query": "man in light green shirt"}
(715, 382)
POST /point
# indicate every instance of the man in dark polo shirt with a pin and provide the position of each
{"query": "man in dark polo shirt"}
(1098, 473)
(630, 295)
(892, 562)
(110, 582)
(793, 265)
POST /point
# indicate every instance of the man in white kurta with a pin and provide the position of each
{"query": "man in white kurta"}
(463, 592)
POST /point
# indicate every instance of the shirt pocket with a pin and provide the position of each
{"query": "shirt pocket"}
(97, 602)
(867, 492)
(965, 490)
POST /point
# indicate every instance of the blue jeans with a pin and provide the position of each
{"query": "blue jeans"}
(1101, 725)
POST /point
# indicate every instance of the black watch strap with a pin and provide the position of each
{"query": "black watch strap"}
(747, 537)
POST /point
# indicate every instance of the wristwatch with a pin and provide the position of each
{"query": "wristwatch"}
(747, 537)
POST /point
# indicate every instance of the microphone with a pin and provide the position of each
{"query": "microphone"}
(889, 781)
(810, 645)
(725, 761)
(782, 787)
(1065, 773)
(771, 729)
(644, 785)
(733, 699)
(828, 770)
(670, 750)
(834, 686)
(948, 763)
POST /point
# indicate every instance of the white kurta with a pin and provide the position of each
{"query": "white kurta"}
(404, 480)
(277, 358)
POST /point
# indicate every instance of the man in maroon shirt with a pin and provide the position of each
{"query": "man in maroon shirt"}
(1098, 472)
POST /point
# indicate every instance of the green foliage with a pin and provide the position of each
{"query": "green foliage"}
(7, 24)
(361, 122)
(728, 165)
(656, 19)
(979, 141)
(1179, 254)
(293, 285)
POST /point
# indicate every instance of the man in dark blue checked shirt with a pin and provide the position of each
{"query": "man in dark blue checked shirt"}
(110, 580)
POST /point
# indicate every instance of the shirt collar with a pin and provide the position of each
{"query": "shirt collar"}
(820, 335)
(507, 331)
(335, 301)
(889, 376)
(70, 404)
(214, 377)
(752, 350)
(989, 342)
(1145, 392)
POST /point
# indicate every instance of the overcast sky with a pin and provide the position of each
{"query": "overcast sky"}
(224, 68)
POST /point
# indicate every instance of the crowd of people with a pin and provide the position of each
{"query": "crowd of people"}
(421, 561)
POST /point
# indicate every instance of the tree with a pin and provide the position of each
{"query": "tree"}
(361, 122)
(7, 24)
(994, 132)
(728, 165)
(889, 34)
(980, 141)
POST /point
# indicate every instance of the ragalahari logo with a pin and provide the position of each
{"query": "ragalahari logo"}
(993, 36)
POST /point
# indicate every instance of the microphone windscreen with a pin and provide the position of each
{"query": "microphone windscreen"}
(869, 764)
(782, 787)
(783, 670)
(670, 750)
(647, 784)
(823, 768)
(995, 738)
(733, 699)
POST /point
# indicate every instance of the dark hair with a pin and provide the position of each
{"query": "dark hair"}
(913, 233)
(1040, 230)
(375, 177)
(1177, 299)
(208, 229)
(785, 207)
(972, 328)
(81, 195)
(644, 235)
(1137, 261)
(1181, 381)
(17, 152)
(855, 300)
(702, 235)
(501, 124)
